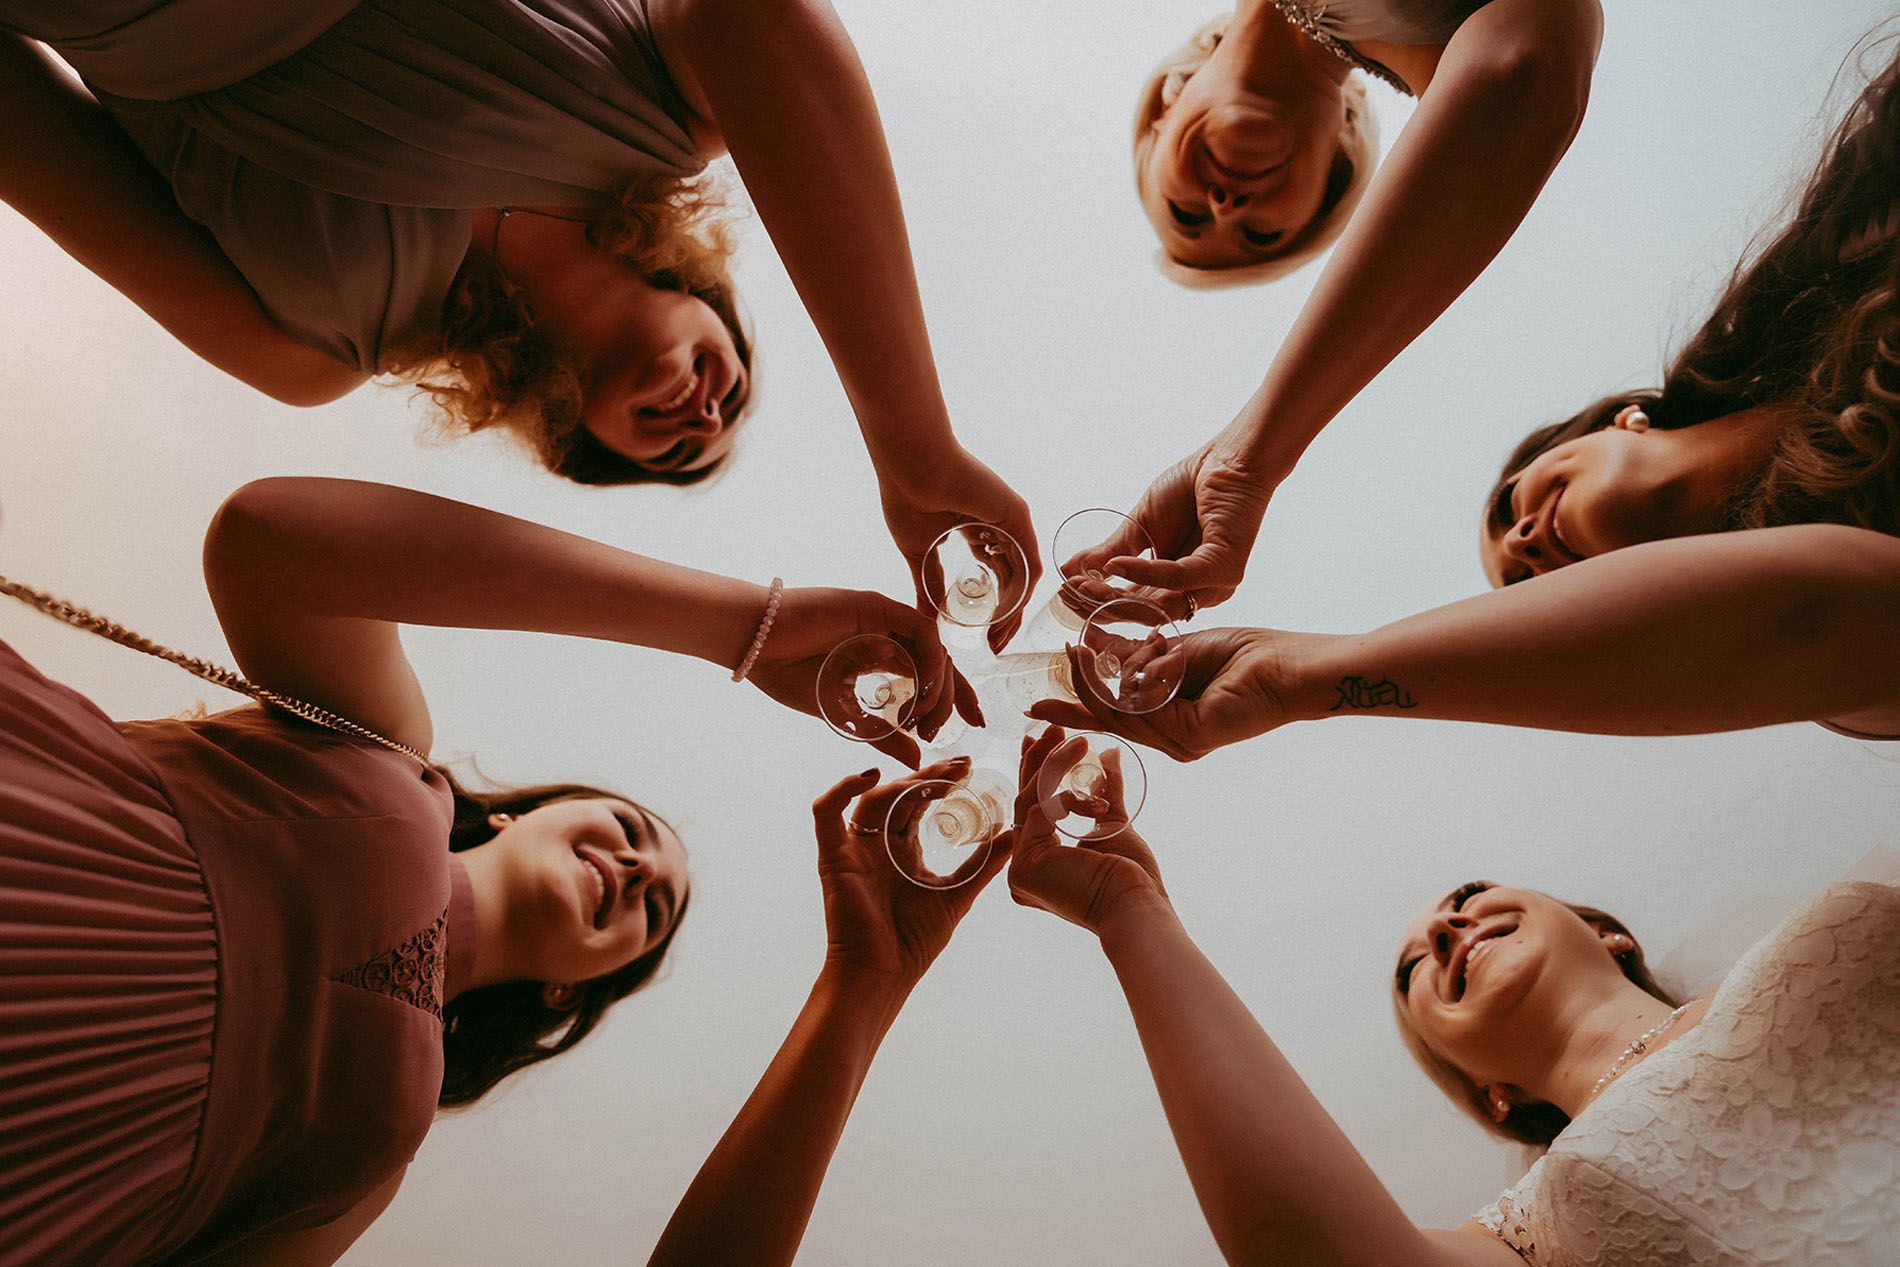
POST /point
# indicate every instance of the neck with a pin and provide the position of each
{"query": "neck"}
(1590, 1037)
(1269, 53)
(495, 951)
(1722, 455)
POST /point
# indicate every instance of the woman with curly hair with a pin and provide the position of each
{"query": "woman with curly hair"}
(500, 200)
(1722, 552)
(1254, 151)
(245, 959)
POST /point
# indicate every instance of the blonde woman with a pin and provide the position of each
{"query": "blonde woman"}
(1720, 553)
(497, 198)
(1254, 151)
(1754, 1125)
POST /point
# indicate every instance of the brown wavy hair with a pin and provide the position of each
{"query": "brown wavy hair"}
(495, 1030)
(492, 364)
(1810, 321)
(1536, 1124)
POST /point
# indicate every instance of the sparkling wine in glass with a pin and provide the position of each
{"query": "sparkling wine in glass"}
(1099, 793)
(975, 576)
(1084, 585)
(939, 831)
(1129, 642)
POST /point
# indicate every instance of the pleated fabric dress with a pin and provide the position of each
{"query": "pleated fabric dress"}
(224, 949)
(335, 148)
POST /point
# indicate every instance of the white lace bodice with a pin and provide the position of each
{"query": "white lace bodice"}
(1768, 1134)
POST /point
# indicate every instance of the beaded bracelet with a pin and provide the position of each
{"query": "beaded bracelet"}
(765, 630)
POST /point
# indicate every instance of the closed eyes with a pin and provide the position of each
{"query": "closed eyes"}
(1188, 219)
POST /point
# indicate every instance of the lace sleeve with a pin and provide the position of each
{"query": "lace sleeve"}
(1509, 1217)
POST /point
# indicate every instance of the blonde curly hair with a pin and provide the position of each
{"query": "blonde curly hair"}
(1353, 165)
(492, 364)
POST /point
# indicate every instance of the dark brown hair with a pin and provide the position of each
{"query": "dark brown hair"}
(493, 1031)
(492, 364)
(1811, 321)
(1537, 1124)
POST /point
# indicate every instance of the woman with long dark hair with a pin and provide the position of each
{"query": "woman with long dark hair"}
(244, 959)
(1719, 553)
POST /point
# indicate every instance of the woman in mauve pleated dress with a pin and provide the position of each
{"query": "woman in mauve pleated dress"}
(244, 960)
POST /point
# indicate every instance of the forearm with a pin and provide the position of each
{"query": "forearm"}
(1458, 181)
(1693, 635)
(346, 549)
(68, 168)
(785, 87)
(1277, 1179)
(752, 1198)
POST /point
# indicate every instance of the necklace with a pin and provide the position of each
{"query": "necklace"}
(1635, 1049)
(502, 214)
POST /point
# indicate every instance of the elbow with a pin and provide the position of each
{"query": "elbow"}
(247, 537)
(1546, 89)
(317, 385)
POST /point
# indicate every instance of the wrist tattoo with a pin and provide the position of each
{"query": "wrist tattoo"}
(1356, 692)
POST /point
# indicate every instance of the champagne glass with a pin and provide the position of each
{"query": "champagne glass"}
(975, 575)
(1079, 798)
(939, 831)
(867, 688)
(1084, 585)
(1130, 643)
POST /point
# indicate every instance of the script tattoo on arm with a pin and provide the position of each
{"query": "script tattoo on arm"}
(1356, 692)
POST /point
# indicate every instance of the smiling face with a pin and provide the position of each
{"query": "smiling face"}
(1483, 974)
(664, 380)
(588, 885)
(1599, 492)
(1251, 145)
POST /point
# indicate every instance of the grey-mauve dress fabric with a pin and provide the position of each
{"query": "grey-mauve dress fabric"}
(335, 147)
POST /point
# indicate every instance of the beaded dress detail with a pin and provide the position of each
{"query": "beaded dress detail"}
(1308, 17)
(1768, 1134)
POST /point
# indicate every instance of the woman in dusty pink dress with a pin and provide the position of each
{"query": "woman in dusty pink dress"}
(244, 960)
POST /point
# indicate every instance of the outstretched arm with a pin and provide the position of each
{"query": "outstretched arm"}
(68, 168)
(752, 1199)
(782, 84)
(1686, 636)
(312, 576)
(1505, 101)
(1503, 105)
(1277, 1179)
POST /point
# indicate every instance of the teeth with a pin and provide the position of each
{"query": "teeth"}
(685, 394)
(600, 885)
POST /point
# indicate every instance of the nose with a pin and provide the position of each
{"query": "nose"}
(1226, 203)
(1445, 930)
(707, 421)
(1523, 544)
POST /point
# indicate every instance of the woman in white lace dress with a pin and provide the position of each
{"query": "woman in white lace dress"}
(1760, 1124)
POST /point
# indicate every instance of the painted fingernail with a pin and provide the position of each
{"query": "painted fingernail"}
(869, 774)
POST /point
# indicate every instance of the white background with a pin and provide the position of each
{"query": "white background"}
(1009, 1118)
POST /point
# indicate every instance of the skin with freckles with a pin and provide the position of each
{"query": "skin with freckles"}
(572, 890)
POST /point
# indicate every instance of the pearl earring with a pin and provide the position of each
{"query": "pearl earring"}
(1633, 418)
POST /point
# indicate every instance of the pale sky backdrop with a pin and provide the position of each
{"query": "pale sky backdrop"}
(1010, 1118)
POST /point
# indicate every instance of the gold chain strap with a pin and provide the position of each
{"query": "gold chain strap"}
(79, 618)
